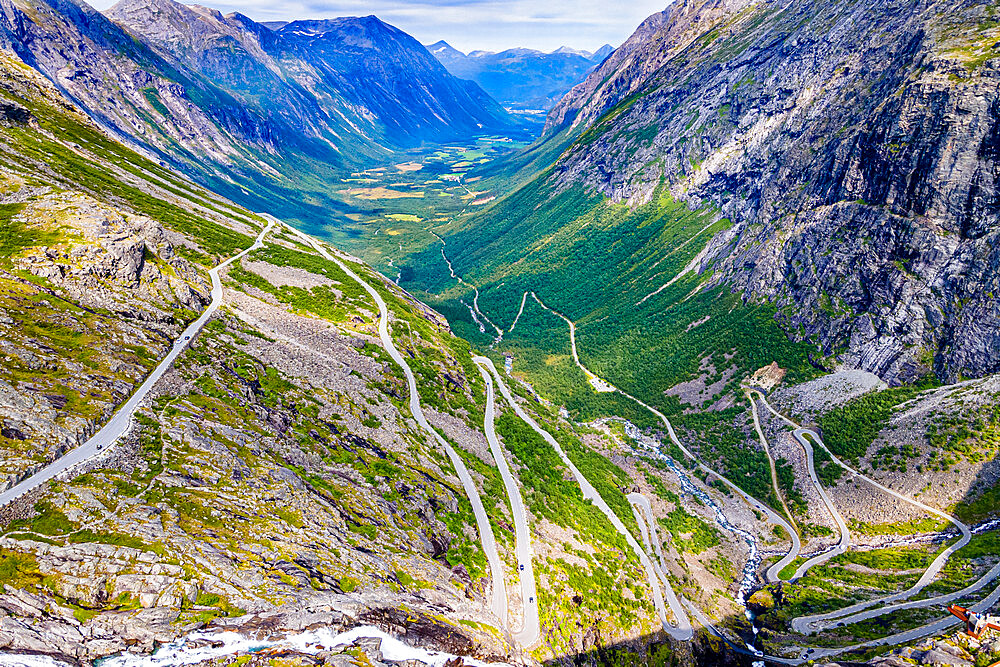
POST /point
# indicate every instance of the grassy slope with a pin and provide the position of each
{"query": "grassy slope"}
(595, 261)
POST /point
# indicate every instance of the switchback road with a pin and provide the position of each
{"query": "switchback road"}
(120, 423)
(530, 633)
(682, 630)
(486, 537)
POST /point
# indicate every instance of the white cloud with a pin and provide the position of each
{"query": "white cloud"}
(473, 24)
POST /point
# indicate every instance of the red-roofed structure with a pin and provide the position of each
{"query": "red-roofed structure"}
(975, 623)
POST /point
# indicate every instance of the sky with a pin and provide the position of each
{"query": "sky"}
(491, 25)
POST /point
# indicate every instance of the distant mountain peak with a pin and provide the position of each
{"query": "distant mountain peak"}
(123, 6)
(176, 26)
(442, 48)
(573, 52)
(602, 53)
(520, 78)
(359, 31)
(517, 51)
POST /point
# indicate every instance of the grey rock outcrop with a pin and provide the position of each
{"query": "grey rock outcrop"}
(853, 146)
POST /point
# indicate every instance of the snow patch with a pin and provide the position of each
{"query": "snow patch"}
(200, 647)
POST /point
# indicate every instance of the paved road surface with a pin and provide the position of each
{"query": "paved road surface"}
(849, 614)
(499, 605)
(530, 633)
(119, 424)
(856, 613)
(771, 576)
(651, 539)
(814, 623)
(936, 627)
(818, 622)
(770, 462)
(683, 629)
(108, 435)
(845, 536)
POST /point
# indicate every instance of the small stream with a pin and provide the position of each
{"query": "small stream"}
(652, 446)
(986, 526)
(932, 538)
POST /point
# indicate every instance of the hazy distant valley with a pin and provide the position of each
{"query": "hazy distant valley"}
(320, 346)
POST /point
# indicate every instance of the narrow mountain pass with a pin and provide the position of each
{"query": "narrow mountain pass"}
(499, 605)
(530, 632)
(807, 624)
(121, 422)
(809, 656)
(683, 630)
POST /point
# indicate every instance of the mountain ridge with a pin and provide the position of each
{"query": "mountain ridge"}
(218, 97)
(520, 77)
(308, 59)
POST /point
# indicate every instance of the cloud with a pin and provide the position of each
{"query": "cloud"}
(467, 25)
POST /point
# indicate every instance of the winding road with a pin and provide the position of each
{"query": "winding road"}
(845, 535)
(891, 603)
(770, 463)
(474, 308)
(682, 631)
(120, 423)
(596, 381)
(499, 605)
(857, 612)
(933, 628)
(773, 573)
(530, 632)
(643, 511)
(844, 543)
(651, 558)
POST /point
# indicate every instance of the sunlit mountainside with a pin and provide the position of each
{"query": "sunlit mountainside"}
(318, 348)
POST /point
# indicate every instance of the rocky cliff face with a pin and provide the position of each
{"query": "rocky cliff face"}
(102, 261)
(854, 146)
(122, 84)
